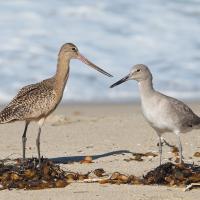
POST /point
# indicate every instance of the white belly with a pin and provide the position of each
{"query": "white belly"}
(156, 116)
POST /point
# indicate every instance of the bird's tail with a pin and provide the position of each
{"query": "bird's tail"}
(197, 124)
(6, 115)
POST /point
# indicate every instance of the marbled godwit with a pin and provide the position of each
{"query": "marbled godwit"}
(163, 113)
(35, 102)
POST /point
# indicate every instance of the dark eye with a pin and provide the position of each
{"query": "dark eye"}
(138, 70)
(73, 49)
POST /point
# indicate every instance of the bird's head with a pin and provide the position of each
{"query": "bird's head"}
(70, 51)
(138, 72)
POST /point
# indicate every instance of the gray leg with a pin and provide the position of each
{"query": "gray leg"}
(38, 145)
(24, 139)
(160, 149)
(41, 121)
(180, 148)
(165, 142)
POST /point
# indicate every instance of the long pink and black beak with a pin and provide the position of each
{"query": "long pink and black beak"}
(89, 63)
(126, 78)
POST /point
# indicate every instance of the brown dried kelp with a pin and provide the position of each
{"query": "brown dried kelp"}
(168, 174)
(118, 178)
(28, 175)
(86, 160)
(139, 156)
(196, 154)
(173, 175)
(99, 172)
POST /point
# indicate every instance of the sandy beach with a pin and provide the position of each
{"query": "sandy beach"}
(110, 133)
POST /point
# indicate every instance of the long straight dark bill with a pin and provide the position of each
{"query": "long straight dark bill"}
(87, 62)
(120, 81)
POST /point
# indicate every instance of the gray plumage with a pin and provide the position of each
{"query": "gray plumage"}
(183, 116)
(163, 113)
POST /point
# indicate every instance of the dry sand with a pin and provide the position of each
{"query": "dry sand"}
(109, 133)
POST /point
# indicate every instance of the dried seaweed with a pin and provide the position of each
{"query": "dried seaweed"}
(173, 175)
(28, 175)
(99, 172)
(197, 154)
(86, 160)
(168, 174)
(139, 156)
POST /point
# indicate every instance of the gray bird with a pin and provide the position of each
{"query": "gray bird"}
(36, 102)
(163, 113)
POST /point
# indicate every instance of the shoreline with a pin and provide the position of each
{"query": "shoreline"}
(110, 102)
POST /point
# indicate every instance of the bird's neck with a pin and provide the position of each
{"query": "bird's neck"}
(62, 74)
(146, 88)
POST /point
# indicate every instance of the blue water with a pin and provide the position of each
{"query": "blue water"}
(114, 34)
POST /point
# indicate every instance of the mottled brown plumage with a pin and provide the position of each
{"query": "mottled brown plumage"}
(36, 101)
(32, 102)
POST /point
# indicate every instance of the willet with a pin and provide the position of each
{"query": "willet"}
(163, 113)
(36, 101)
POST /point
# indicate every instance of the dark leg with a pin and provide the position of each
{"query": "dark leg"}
(24, 140)
(38, 145)
(180, 149)
(169, 145)
(160, 149)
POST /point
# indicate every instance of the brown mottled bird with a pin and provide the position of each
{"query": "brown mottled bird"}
(36, 101)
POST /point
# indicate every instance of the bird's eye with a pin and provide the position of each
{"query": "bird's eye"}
(73, 49)
(138, 70)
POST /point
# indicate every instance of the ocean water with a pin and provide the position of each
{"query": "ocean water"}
(115, 35)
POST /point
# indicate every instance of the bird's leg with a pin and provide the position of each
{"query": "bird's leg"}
(41, 121)
(160, 149)
(38, 145)
(166, 143)
(24, 139)
(180, 148)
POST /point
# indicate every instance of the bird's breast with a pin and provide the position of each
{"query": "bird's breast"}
(155, 114)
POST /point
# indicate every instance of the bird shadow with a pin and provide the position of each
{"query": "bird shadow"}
(70, 159)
